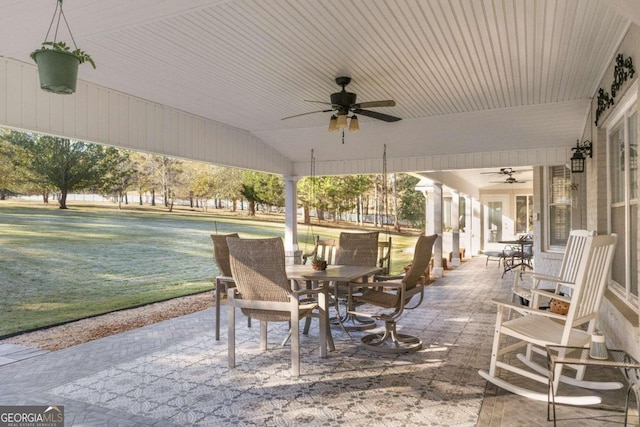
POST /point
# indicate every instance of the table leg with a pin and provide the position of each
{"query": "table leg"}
(325, 330)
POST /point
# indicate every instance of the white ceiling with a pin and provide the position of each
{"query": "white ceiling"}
(467, 75)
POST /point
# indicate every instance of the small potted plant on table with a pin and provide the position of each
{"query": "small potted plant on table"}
(318, 263)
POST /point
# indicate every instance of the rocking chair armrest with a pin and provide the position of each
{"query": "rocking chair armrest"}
(543, 277)
(527, 310)
(550, 294)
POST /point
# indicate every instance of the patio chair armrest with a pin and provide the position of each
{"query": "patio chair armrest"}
(376, 285)
(306, 292)
(384, 278)
(228, 281)
(526, 309)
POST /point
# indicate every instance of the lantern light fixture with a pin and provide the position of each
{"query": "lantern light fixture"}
(578, 158)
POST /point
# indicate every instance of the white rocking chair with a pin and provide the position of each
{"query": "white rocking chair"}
(525, 281)
(538, 328)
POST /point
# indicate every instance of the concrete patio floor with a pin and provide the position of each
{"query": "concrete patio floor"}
(174, 373)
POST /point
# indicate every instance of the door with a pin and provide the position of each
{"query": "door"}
(497, 224)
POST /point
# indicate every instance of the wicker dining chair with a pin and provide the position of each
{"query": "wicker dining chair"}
(264, 292)
(392, 294)
(224, 280)
(359, 249)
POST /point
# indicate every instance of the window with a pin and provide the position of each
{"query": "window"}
(495, 221)
(622, 155)
(559, 190)
(524, 214)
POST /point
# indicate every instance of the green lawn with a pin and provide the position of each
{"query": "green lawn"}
(59, 265)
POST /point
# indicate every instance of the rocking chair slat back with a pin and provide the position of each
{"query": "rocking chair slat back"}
(591, 281)
(575, 247)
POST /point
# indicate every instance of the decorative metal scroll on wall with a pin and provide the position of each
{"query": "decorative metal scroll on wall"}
(621, 73)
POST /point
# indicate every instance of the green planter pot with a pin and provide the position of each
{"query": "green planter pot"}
(58, 71)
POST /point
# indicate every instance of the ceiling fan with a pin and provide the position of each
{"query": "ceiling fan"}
(509, 180)
(343, 103)
(507, 171)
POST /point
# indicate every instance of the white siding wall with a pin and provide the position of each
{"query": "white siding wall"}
(621, 332)
(100, 115)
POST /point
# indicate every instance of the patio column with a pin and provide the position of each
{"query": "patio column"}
(476, 226)
(455, 228)
(438, 271)
(293, 253)
(428, 211)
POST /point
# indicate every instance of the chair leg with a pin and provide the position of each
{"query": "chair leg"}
(231, 333)
(295, 343)
(391, 341)
(218, 284)
(496, 343)
(307, 325)
(263, 335)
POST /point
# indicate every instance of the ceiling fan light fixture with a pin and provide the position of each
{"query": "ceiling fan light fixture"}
(342, 121)
(333, 124)
(354, 126)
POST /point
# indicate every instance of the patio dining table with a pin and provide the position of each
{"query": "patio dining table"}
(524, 263)
(333, 273)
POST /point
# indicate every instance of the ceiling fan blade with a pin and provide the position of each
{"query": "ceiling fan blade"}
(304, 114)
(317, 102)
(371, 104)
(376, 115)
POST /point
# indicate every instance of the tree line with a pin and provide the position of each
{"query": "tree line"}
(33, 164)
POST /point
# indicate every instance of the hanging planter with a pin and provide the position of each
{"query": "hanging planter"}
(57, 63)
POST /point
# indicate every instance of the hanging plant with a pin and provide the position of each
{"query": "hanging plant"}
(57, 63)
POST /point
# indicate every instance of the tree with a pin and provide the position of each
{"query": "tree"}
(166, 173)
(120, 173)
(263, 188)
(143, 175)
(412, 202)
(61, 163)
(306, 189)
(228, 185)
(340, 194)
(9, 173)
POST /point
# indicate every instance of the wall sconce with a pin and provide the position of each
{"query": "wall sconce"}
(577, 160)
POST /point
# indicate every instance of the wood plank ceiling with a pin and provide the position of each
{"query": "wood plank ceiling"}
(468, 76)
